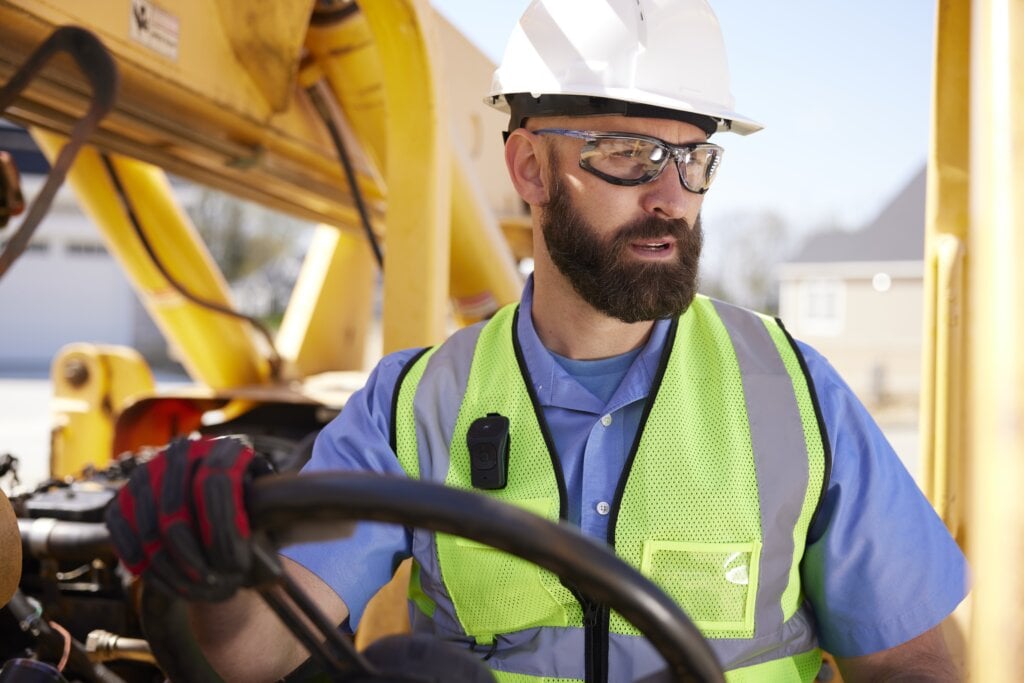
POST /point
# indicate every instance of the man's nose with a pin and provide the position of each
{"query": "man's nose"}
(665, 197)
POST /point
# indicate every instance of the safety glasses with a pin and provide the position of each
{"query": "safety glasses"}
(632, 159)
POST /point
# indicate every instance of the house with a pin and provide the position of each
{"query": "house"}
(857, 298)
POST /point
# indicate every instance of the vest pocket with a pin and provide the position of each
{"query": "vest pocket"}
(495, 592)
(715, 583)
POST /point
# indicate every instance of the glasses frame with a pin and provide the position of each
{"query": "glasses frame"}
(680, 153)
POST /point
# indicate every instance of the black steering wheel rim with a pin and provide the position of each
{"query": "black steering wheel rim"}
(293, 508)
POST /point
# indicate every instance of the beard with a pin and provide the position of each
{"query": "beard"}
(606, 274)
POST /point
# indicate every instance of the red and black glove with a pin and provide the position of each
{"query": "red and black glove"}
(181, 521)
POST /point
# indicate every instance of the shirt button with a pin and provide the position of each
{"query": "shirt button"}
(603, 508)
(606, 420)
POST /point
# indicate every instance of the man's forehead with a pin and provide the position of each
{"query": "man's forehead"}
(670, 130)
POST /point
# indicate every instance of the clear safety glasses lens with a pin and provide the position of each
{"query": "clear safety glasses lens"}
(633, 160)
(630, 159)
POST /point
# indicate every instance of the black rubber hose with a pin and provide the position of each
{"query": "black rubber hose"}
(274, 359)
(319, 101)
(100, 70)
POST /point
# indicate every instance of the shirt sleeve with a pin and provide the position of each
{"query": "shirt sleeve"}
(880, 568)
(358, 439)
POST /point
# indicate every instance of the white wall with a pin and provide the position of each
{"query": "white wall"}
(65, 288)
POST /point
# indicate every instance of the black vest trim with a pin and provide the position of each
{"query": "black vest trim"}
(620, 488)
(556, 462)
(393, 430)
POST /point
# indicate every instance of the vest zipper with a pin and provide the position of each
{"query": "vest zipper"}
(595, 640)
(599, 661)
(595, 617)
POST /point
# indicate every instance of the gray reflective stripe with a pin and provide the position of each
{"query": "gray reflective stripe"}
(780, 455)
(436, 406)
(796, 636)
(438, 399)
(558, 652)
(424, 549)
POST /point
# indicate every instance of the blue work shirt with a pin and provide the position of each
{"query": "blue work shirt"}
(879, 567)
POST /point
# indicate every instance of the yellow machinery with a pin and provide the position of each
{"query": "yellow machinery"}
(250, 96)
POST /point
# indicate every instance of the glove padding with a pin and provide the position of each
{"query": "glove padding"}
(181, 521)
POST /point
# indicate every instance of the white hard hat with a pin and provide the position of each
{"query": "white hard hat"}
(658, 58)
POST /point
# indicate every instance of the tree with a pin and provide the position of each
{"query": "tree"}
(742, 254)
(238, 234)
(257, 250)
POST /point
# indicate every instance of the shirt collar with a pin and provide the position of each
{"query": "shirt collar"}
(557, 388)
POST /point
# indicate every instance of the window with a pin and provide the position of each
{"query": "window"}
(822, 306)
(85, 249)
(34, 247)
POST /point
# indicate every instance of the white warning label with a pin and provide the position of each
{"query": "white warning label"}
(154, 27)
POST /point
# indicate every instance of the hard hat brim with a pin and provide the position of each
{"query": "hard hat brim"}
(626, 102)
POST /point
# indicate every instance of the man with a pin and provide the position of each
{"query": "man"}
(725, 460)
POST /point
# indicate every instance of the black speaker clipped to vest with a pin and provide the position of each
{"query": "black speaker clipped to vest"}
(488, 444)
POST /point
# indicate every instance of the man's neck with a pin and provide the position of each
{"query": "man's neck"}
(573, 328)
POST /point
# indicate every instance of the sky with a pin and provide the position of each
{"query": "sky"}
(843, 90)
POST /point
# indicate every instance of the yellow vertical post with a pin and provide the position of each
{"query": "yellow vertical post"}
(418, 175)
(217, 350)
(345, 51)
(946, 227)
(996, 329)
(418, 221)
(483, 272)
(328, 317)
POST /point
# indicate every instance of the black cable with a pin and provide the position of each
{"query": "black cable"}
(275, 358)
(99, 68)
(322, 108)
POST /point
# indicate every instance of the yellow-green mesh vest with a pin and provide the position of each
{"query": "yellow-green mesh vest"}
(715, 507)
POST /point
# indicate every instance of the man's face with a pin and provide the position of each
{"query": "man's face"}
(634, 265)
(608, 275)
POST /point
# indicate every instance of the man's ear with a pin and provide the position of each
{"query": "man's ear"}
(524, 159)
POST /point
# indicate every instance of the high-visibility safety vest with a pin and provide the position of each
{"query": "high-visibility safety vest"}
(713, 504)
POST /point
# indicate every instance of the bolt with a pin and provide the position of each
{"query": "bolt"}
(76, 372)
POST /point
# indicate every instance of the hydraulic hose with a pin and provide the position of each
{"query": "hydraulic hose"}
(274, 357)
(32, 622)
(317, 96)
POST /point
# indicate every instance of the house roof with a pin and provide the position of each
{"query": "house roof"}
(896, 234)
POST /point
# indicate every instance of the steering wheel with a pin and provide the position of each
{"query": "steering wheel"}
(290, 508)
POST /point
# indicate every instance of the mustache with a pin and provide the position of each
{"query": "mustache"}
(650, 227)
